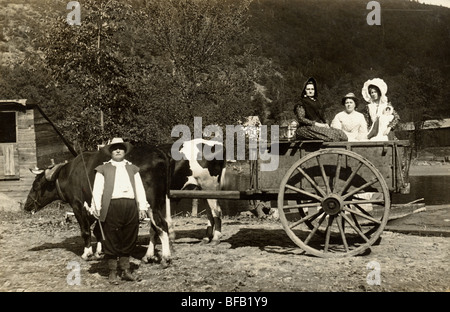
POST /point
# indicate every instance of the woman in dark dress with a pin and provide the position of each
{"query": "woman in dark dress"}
(312, 123)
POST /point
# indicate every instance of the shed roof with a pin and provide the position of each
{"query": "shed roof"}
(13, 104)
(22, 104)
(428, 124)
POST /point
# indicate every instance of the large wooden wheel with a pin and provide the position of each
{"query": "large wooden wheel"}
(333, 203)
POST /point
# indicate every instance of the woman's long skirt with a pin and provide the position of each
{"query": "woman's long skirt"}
(320, 133)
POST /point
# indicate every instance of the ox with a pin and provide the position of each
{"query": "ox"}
(69, 182)
(202, 166)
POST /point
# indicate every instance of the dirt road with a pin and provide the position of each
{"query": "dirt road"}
(42, 253)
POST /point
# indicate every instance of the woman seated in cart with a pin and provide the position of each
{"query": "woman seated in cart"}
(312, 123)
(353, 123)
(374, 92)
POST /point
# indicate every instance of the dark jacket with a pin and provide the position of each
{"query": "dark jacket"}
(109, 172)
(312, 108)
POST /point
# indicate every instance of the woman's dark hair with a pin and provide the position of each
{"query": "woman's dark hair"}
(375, 88)
(355, 100)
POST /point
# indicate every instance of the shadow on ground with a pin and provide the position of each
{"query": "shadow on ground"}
(73, 244)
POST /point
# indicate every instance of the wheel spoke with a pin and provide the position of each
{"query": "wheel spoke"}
(341, 230)
(314, 230)
(310, 180)
(305, 205)
(356, 222)
(362, 215)
(355, 227)
(363, 201)
(338, 172)
(324, 175)
(362, 187)
(303, 192)
(328, 233)
(362, 209)
(307, 218)
(350, 178)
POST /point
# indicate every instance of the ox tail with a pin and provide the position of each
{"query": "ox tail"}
(224, 181)
(170, 169)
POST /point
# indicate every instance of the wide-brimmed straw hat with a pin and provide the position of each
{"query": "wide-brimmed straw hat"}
(352, 96)
(114, 142)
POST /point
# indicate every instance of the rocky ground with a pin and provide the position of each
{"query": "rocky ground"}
(41, 252)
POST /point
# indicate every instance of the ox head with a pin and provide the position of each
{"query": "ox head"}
(43, 191)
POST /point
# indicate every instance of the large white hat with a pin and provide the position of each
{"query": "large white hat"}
(378, 83)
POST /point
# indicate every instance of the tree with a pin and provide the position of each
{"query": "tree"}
(148, 67)
(209, 62)
(419, 95)
(88, 58)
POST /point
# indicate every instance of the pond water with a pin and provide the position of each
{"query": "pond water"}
(434, 189)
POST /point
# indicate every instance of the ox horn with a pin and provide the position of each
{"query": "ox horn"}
(50, 172)
(36, 170)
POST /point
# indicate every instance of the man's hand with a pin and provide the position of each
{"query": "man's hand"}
(143, 214)
(92, 210)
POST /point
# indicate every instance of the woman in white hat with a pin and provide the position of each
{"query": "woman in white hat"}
(374, 92)
(350, 121)
(118, 200)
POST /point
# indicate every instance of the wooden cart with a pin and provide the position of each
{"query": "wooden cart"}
(333, 198)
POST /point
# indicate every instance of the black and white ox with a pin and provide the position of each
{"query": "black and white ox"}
(159, 172)
(69, 183)
(200, 164)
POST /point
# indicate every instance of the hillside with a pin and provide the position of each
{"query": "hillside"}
(332, 41)
(300, 34)
(327, 39)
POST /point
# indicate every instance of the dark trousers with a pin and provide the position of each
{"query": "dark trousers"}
(121, 228)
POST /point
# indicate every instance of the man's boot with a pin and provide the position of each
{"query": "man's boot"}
(124, 263)
(112, 266)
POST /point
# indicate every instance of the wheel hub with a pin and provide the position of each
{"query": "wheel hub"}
(332, 204)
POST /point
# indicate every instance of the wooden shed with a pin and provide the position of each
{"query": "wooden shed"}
(434, 133)
(28, 139)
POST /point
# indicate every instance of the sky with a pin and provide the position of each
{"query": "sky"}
(445, 3)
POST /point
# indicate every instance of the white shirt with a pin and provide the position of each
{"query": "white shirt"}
(122, 187)
(122, 183)
(354, 125)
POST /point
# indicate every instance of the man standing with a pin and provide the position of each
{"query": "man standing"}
(118, 200)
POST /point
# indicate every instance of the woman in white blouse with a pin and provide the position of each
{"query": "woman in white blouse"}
(353, 123)
(374, 92)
